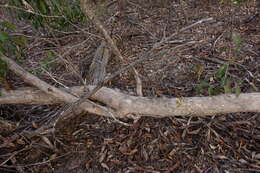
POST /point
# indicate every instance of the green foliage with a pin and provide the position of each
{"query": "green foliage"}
(49, 62)
(235, 2)
(57, 14)
(3, 69)
(8, 25)
(4, 37)
(219, 82)
(237, 41)
(10, 45)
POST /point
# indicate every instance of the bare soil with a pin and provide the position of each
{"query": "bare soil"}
(90, 143)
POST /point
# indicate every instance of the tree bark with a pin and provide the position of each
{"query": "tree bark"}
(125, 105)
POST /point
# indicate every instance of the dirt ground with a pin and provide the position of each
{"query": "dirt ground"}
(227, 143)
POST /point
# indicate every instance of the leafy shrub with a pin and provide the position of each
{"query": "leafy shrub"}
(219, 82)
(10, 44)
(58, 14)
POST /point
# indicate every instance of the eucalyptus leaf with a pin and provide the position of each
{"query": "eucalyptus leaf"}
(238, 91)
(4, 36)
(21, 41)
(211, 90)
(8, 25)
(3, 69)
(43, 6)
(221, 72)
(227, 89)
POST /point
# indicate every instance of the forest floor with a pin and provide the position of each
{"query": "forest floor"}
(224, 58)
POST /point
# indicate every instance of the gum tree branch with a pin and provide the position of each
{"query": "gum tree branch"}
(125, 105)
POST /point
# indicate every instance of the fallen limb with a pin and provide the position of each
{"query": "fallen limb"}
(125, 104)
(53, 91)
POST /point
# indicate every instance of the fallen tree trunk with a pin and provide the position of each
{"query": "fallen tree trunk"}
(124, 104)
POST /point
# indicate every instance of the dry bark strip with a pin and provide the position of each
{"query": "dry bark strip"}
(125, 105)
(97, 69)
